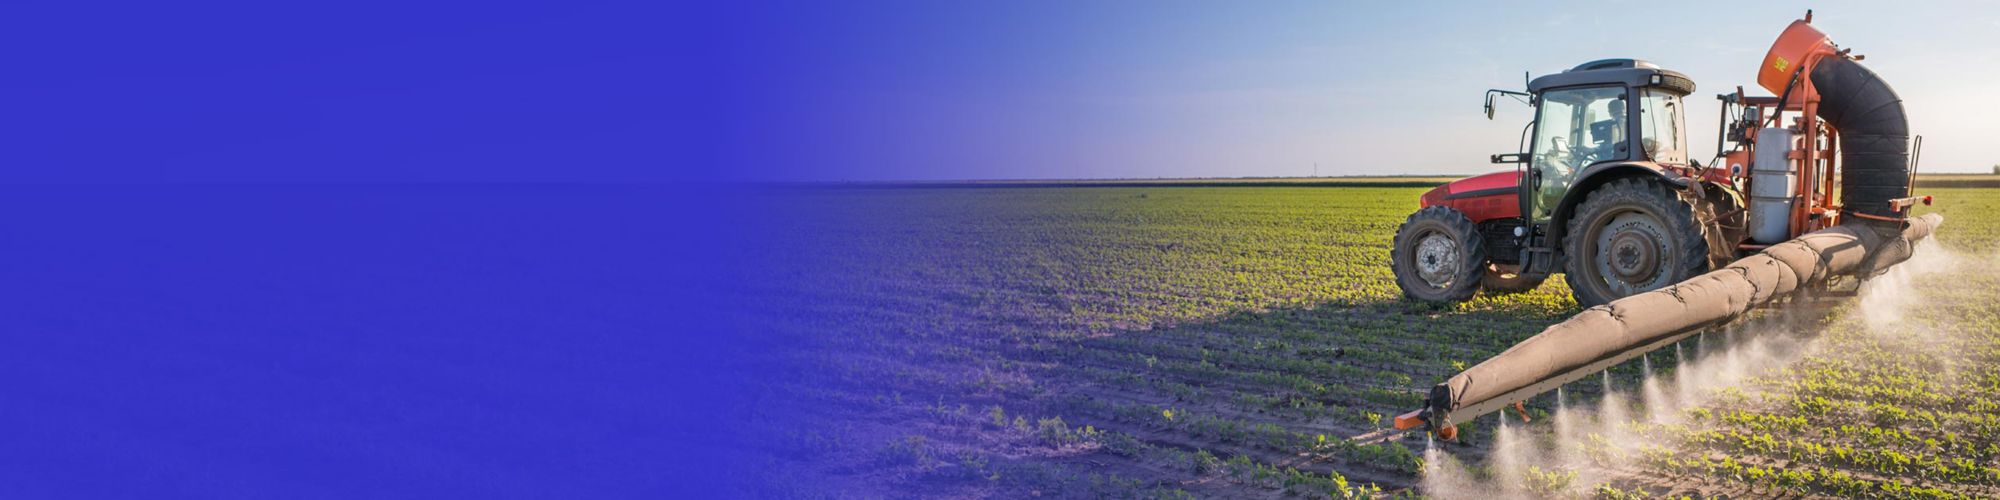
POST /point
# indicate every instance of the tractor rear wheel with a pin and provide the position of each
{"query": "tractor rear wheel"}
(1438, 256)
(1631, 236)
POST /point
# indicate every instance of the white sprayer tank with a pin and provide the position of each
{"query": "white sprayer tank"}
(1773, 186)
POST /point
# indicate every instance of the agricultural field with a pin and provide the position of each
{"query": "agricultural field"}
(1230, 341)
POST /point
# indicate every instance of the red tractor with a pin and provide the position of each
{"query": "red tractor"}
(1604, 191)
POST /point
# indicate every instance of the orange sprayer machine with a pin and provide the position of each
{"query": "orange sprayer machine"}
(1605, 191)
(1809, 187)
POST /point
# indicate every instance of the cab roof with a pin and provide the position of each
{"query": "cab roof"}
(1627, 72)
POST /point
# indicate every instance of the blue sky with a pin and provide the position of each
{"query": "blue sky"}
(1051, 90)
(613, 91)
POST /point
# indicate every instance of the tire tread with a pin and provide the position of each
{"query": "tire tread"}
(1692, 258)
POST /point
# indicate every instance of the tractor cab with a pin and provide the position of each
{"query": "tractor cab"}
(1598, 114)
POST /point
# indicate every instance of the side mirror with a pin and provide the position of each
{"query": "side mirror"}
(1510, 158)
(1530, 99)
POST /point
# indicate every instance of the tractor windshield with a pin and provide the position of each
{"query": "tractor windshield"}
(1660, 127)
(1574, 129)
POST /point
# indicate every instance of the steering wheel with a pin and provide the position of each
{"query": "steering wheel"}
(1558, 157)
(1588, 156)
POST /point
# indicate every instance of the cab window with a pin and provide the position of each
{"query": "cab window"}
(1574, 128)
(1660, 133)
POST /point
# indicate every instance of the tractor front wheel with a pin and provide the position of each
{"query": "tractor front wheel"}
(1438, 256)
(1631, 236)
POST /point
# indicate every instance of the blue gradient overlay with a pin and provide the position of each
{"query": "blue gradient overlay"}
(365, 250)
(507, 249)
(364, 341)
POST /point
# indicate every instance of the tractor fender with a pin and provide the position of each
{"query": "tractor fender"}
(1601, 174)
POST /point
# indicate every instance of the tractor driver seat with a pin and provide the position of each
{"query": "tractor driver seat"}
(1605, 144)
